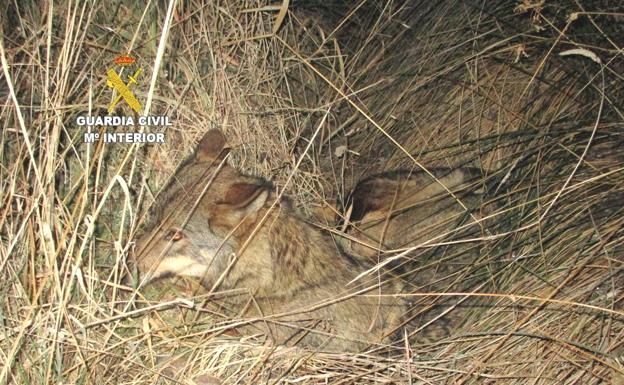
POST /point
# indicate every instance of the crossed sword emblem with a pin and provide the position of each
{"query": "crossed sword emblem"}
(115, 82)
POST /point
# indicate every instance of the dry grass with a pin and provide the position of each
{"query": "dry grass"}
(398, 85)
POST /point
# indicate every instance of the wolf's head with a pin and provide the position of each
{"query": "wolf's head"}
(201, 218)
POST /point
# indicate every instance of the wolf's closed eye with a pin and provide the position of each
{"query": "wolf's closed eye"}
(174, 235)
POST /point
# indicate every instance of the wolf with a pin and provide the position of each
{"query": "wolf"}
(233, 231)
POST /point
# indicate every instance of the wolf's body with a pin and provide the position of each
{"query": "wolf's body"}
(397, 210)
(215, 223)
(406, 214)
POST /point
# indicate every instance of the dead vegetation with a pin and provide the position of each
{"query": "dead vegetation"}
(316, 98)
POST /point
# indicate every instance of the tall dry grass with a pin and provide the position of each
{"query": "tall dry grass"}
(374, 85)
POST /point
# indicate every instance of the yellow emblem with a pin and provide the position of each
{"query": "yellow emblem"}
(116, 83)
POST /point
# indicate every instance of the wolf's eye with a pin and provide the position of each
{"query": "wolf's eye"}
(173, 235)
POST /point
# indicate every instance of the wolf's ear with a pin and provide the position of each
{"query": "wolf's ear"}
(249, 197)
(212, 147)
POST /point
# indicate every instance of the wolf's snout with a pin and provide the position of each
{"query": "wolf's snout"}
(130, 271)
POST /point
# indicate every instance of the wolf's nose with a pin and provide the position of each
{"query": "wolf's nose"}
(130, 272)
(127, 280)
